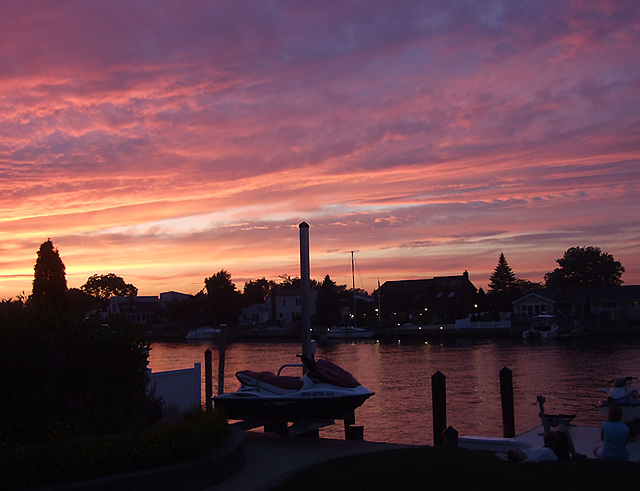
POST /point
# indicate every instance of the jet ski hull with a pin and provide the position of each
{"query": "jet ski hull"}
(314, 404)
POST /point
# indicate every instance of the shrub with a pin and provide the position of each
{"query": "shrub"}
(67, 378)
(77, 459)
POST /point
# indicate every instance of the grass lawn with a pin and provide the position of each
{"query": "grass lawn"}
(453, 469)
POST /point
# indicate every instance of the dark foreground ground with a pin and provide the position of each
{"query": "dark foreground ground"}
(458, 469)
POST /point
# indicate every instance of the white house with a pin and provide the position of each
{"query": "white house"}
(282, 307)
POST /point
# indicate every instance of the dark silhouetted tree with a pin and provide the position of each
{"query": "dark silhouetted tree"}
(328, 304)
(522, 287)
(501, 286)
(103, 287)
(481, 301)
(585, 266)
(49, 280)
(502, 277)
(224, 299)
(255, 292)
(289, 283)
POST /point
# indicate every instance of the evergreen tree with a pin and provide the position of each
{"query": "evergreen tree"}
(49, 280)
(503, 277)
(501, 286)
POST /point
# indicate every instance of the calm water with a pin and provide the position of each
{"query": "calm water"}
(569, 374)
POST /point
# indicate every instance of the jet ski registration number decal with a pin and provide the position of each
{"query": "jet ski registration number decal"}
(318, 393)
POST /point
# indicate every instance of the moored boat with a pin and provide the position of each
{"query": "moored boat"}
(624, 396)
(203, 333)
(543, 326)
(348, 332)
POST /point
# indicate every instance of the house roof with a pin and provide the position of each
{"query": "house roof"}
(588, 294)
(434, 285)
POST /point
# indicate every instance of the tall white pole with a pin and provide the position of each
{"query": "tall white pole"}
(306, 290)
(353, 289)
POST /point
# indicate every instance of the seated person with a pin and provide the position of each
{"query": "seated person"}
(563, 445)
(615, 435)
(533, 455)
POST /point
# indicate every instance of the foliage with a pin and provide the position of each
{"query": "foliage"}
(481, 301)
(193, 307)
(80, 302)
(585, 266)
(501, 286)
(502, 278)
(328, 304)
(289, 283)
(65, 377)
(49, 281)
(505, 287)
(255, 292)
(77, 459)
(103, 287)
(224, 299)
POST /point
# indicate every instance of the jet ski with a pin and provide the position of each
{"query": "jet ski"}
(624, 396)
(325, 391)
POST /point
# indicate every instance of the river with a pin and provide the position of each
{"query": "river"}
(569, 374)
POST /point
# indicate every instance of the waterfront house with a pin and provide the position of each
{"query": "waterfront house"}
(611, 303)
(136, 309)
(439, 299)
(282, 307)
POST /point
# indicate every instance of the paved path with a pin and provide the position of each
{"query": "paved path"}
(270, 459)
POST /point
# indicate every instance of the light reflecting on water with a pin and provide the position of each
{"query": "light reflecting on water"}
(570, 375)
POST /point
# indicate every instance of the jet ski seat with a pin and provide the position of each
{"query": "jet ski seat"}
(260, 379)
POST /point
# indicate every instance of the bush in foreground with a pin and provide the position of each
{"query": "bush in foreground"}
(72, 460)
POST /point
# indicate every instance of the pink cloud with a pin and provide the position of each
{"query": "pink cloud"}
(429, 136)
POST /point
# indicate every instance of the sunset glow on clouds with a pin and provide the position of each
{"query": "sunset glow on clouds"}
(165, 141)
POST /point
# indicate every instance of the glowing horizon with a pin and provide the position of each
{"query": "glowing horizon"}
(164, 143)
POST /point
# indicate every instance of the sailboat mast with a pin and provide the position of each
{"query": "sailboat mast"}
(353, 289)
(379, 306)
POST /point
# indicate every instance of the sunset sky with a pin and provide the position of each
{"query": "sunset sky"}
(164, 141)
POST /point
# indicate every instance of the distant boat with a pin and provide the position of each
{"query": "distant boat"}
(543, 326)
(348, 332)
(203, 333)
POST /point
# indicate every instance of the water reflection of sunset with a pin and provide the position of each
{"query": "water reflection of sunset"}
(400, 375)
(165, 143)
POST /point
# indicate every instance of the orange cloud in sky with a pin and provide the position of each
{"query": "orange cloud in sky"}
(164, 143)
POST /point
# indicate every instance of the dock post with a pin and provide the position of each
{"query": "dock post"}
(506, 395)
(439, 402)
(450, 437)
(222, 346)
(208, 381)
(349, 420)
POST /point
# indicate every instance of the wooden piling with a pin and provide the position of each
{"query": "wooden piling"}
(349, 419)
(439, 402)
(208, 381)
(356, 432)
(222, 346)
(450, 437)
(506, 396)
